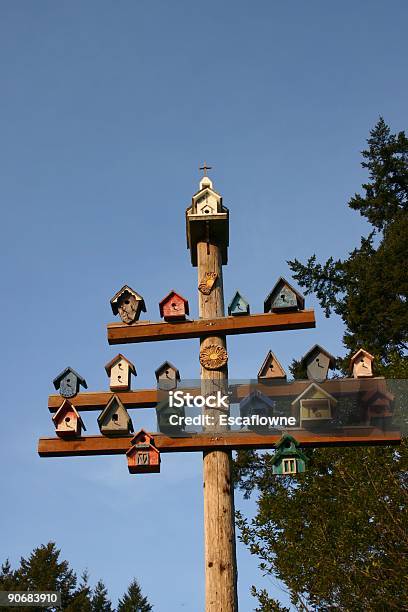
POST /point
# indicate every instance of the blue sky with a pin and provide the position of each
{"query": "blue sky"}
(106, 111)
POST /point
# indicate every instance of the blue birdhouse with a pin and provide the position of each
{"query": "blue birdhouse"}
(68, 382)
(238, 305)
(288, 458)
(255, 409)
(283, 297)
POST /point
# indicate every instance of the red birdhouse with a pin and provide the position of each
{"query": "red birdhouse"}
(67, 421)
(143, 457)
(173, 307)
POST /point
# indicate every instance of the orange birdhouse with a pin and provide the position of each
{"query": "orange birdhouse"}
(143, 457)
(173, 307)
(67, 421)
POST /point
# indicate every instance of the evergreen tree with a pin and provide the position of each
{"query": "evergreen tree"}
(82, 599)
(133, 600)
(100, 600)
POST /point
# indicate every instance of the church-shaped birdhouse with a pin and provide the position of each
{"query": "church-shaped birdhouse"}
(128, 305)
(207, 221)
(271, 370)
(318, 361)
(67, 421)
(119, 370)
(68, 382)
(314, 407)
(238, 305)
(283, 297)
(114, 419)
(143, 456)
(173, 307)
(167, 376)
(361, 364)
(288, 458)
(257, 407)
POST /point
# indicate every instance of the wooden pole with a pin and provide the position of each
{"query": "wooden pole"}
(219, 523)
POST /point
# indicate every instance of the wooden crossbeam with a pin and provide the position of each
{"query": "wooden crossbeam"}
(87, 401)
(120, 333)
(101, 445)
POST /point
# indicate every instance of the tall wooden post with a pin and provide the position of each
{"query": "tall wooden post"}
(219, 524)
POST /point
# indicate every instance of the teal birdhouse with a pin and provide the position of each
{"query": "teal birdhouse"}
(288, 458)
(238, 305)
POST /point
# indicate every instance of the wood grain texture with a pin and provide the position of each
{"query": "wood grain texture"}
(120, 333)
(145, 398)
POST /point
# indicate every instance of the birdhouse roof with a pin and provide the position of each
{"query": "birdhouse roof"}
(257, 395)
(371, 396)
(318, 349)
(149, 437)
(166, 365)
(65, 407)
(360, 351)
(286, 438)
(168, 297)
(314, 387)
(111, 408)
(118, 357)
(126, 289)
(282, 451)
(279, 283)
(57, 379)
(268, 357)
(238, 295)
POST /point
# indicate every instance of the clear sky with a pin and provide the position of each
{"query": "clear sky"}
(106, 111)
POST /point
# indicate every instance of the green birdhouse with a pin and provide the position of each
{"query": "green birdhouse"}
(288, 458)
(238, 305)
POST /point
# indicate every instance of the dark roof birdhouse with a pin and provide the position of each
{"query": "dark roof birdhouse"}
(119, 370)
(288, 459)
(284, 297)
(255, 406)
(207, 220)
(317, 362)
(361, 364)
(271, 369)
(238, 305)
(67, 421)
(170, 420)
(114, 420)
(313, 405)
(68, 382)
(377, 406)
(143, 457)
(167, 376)
(128, 304)
(173, 307)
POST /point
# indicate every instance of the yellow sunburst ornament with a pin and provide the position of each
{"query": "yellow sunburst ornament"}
(213, 357)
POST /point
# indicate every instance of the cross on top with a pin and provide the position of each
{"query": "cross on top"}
(204, 168)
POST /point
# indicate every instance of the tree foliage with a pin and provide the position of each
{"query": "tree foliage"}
(133, 600)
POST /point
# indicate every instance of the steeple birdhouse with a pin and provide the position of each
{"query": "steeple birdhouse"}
(173, 307)
(288, 459)
(67, 421)
(256, 404)
(143, 457)
(283, 297)
(238, 305)
(114, 419)
(314, 406)
(68, 382)
(271, 369)
(119, 370)
(361, 364)
(207, 220)
(317, 362)
(167, 376)
(128, 304)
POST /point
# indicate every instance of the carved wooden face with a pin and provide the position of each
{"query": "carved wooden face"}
(127, 308)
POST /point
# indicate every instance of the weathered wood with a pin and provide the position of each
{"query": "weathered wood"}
(120, 333)
(144, 398)
(101, 445)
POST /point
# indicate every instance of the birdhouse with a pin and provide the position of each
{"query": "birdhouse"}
(67, 421)
(119, 370)
(128, 304)
(167, 425)
(167, 376)
(314, 406)
(173, 307)
(361, 364)
(114, 419)
(238, 305)
(271, 370)
(68, 382)
(288, 459)
(255, 406)
(377, 408)
(207, 221)
(284, 297)
(317, 362)
(143, 457)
